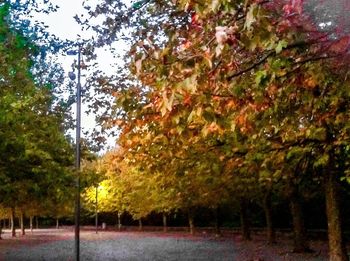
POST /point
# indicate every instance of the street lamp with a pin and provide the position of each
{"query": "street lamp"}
(96, 210)
(77, 156)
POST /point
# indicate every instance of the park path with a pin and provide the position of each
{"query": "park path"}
(52, 244)
(59, 245)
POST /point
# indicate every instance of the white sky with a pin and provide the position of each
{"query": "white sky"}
(63, 25)
(62, 22)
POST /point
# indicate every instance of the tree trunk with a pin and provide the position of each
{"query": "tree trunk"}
(13, 230)
(270, 230)
(57, 223)
(9, 226)
(245, 226)
(337, 249)
(140, 224)
(119, 221)
(165, 226)
(31, 223)
(300, 239)
(36, 222)
(217, 222)
(21, 221)
(0, 230)
(191, 222)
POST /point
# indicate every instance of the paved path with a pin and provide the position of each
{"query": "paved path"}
(118, 246)
(53, 244)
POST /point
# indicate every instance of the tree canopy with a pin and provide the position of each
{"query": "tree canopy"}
(221, 102)
(35, 154)
(244, 96)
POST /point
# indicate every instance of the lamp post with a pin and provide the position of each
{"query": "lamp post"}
(77, 156)
(96, 210)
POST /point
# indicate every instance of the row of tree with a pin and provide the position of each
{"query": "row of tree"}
(223, 101)
(36, 157)
(243, 100)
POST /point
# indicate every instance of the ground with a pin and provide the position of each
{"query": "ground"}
(53, 244)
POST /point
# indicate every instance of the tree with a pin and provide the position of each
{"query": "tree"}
(34, 152)
(233, 73)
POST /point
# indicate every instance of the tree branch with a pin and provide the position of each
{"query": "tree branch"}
(261, 61)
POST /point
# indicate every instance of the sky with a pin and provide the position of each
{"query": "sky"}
(62, 22)
(63, 25)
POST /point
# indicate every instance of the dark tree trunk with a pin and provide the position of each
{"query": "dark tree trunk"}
(31, 223)
(36, 222)
(337, 249)
(57, 223)
(245, 226)
(140, 224)
(300, 239)
(270, 230)
(217, 222)
(13, 230)
(165, 226)
(21, 221)
(191, 222)
(119, 221)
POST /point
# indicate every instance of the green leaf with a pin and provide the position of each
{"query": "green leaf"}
(322, 161)
(250, 18)
(138, 4)
(190, 83)
(281, 44)
(260, 76)
(216, 168)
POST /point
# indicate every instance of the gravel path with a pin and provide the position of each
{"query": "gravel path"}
(124, 246)
(52, 244)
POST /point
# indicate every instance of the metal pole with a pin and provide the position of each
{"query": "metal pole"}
(77, 165)
(96, 210)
